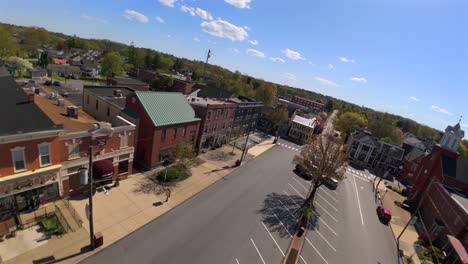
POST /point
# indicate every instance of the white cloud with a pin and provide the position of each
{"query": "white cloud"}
(160, 20)
(94, 19)
(289, 77)
(196, 39)
(235, 50)
(292, 54)
(414, 98)
(239, 3)
(358, 79)
(169, 3)
(440, 110)
(203, 14)
(247, 28)
(344, 59)
(224, 29)
(464, 125)
(277, 60)
(311, 63)
(188, 9)
(132, 14)
(253, 42)
(326, 82)
(255, 53)
(331, 67)
(168, 36)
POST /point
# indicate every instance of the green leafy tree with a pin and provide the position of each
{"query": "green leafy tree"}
(266, 93)
(278, 116)
(184, 153)
(329, 106)
(169, 83)
(463, 150)
(112, 64)
(348, 122)
(44, 60)
(194, 76)
(35, 37)
(178, 65)
(165, 63)
(8, 45)
(156, 61)
(19, 65)
(148, 61)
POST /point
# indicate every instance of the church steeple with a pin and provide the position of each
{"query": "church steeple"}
(452, 137)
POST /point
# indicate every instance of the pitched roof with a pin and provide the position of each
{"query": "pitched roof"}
(415, 153)
(26, 117)
(304, 121)
(166, 108)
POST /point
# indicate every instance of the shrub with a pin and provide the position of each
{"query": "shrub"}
(398, 203)
(52, 226)
(178, 172)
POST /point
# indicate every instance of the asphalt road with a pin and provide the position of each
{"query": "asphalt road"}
(250, 215)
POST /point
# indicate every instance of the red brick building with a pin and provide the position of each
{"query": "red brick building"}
(313, 105)
(131, 83)
(439, 185)
(163, 120)
(182, 83)
(217, 117)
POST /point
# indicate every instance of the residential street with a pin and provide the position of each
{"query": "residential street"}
(248, 218)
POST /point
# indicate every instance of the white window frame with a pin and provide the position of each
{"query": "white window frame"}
(39, 152)
(13, 158)
(123, 140)
(72, 146)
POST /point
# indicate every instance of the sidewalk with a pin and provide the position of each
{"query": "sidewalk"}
(134, 204)
(400, 218)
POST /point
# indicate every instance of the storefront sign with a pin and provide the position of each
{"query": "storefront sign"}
(21, 184)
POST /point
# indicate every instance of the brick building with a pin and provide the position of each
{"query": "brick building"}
(439, 184)
(217, 117)
(29, 154)
(163, 120)
(104, 103)
(313, 105)
(247, 115)
(128, 82)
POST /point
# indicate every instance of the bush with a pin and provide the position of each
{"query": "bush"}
(398, 203)
(52, 226)
(175, 173)
(397, 190)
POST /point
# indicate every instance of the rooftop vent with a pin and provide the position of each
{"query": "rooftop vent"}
(61, 102)
(72, 111)
(118, 93)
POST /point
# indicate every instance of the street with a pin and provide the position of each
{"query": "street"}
(249, 217)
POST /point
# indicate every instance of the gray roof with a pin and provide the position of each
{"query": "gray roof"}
(166, 108)
(414, 142)
(127, 80)
(212, 92)
(459, 196)
(107, 93)
(304, 121)
(26, 117)
(63, 68)
(414, 154)
(206, 101)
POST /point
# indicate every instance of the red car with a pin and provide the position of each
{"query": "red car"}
(384, 214)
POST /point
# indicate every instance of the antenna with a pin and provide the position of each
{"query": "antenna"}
(208, 56)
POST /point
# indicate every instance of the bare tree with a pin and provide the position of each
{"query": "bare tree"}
(323, 158)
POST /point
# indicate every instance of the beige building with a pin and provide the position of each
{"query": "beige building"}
(104, 103)
(301, 128)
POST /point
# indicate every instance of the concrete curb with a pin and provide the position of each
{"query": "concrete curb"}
(290, 247)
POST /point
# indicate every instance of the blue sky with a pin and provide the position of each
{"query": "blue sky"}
(404, 57)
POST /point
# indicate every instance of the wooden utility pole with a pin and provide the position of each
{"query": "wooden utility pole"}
(208, 56)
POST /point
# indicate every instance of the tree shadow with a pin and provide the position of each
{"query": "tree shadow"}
(281, 214)
(151, 185)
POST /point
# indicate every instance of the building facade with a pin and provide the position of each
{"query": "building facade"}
(131, 83)
(104, 103)
(163, 120)
(217, 118)
(247, 114)
(301, 129)
(313, 105)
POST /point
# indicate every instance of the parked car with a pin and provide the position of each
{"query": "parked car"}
(56, 83)
(331, 183)
(384, 214)
(48, 82)
(301, 171)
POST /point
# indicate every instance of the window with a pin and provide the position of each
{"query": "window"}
(224, 125)
(215, 127)
(184, 131)
(18, 159)
(174, 135)
(206, 129)
(192, 135)
(97, 104)
(108, 111)
(218, 113)
(44, 154)
(123, 167)
(74, 180)
(163, 135)
(226, 113)
(73, 151)
(123, 141)
(87, 99)
(208, 115)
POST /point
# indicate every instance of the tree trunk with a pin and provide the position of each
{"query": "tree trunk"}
(310, 199)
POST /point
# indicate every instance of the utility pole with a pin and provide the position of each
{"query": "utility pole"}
(206, 62)
(90, 202)
(244, 152)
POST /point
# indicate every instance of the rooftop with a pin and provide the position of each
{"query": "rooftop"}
(108, 93)
(304, 121)
(127, 80)
(58, 114)
(211, 92)
(18, 114)
(206, 101)
(460, 197)
(166, 108)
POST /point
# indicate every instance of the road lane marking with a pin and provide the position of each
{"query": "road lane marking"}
(308, 241)
(326, 211)
(296, 191)
(359, 177)
(257, 251)
(359, 202)
(318, 194)
(237, 261)
(282, 253)
(333, 198)
(320, 234)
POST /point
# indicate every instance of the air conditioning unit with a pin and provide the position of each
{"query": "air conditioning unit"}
(72, 111)
(60, 102)
(117, 93)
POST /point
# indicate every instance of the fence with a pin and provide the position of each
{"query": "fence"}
(73, 213)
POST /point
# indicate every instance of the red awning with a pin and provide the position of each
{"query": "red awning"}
(103, 169)
(461, 252)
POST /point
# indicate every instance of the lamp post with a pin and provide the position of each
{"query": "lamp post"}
(90, 201)
(244, 152)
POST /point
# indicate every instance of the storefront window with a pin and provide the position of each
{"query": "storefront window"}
(74, 181)
(51, 192)
(123, 167)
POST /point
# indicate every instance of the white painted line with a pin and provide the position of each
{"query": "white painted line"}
(361, 178)
(331, 229)
(287, 210)
(296, 191)
(359, 202)
(301, 185)
(282, 253)
(283, 225)
(289, 147)
(316, 250)
(303, 259)
(320, 234)
(257, 251)
(237, 261)
(318, 194)
(333, 198)
(326, 211)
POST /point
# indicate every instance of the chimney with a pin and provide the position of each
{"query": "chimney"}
(31, 98)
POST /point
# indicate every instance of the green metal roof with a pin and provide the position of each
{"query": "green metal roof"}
(166, 108)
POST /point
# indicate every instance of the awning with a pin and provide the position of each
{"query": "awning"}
(103, 169)
(457, 245)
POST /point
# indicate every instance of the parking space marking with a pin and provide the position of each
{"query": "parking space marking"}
(237, 261)
(287, 210)
(296, 191)
(255, 246)
(326, 211)
(359, 177)
(282, 253)
(329, 195)
(318, 194)
(359, 202)
(320, 234)
(283, 225)
(303, 259)
(301, 185)
(331, 229)
(308, 241)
